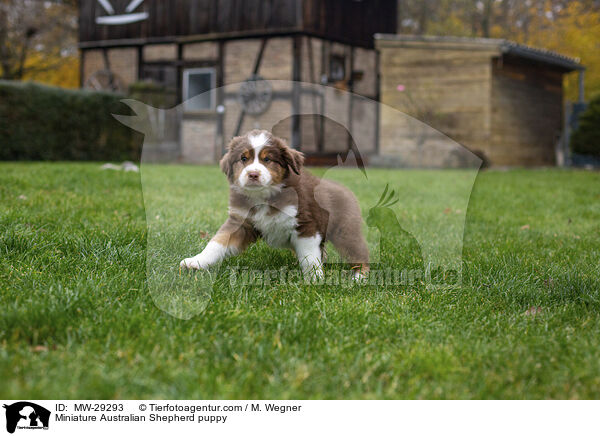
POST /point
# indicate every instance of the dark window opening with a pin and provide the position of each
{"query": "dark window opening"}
(337, 68)
(199, 89)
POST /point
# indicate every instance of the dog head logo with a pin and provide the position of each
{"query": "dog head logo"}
(26, 415)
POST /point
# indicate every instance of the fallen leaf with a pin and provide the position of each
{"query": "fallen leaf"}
(22, 197)
(39, 348)
(525, 227)
(533, 311)
(204, 235)
(447, 210)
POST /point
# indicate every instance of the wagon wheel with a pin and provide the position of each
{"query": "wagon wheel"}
(105, 80)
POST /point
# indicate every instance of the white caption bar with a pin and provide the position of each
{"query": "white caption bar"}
(300, 417)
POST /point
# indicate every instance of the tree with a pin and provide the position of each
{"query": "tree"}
(36, 37)
(586, 139)
(569, 27)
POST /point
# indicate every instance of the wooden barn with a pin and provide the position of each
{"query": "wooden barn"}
(189, 47)
(245, 64)
(502, 100)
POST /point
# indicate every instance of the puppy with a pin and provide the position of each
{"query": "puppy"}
(273, 197)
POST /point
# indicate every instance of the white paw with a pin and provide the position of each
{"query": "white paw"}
(318, 272)
(313, 274)
(359, 277)
(190, 263)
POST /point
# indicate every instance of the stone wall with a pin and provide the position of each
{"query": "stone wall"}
(159, 52)
(198, 141)
(122, 61)
(93, 61)
(200, 50)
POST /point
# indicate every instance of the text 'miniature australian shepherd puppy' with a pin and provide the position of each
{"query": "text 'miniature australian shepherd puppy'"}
(273, 197)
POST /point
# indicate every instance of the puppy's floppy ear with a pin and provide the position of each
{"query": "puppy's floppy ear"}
(225, 165)
(226, 162)
(293, 158)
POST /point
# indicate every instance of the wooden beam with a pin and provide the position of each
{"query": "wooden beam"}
(351, 96)
(220, 96)
(377, 99)
(179, 73)
(292, 31)
(581, 86)
(296, 78)
(140, 64)
(81, 67)
(255, 69)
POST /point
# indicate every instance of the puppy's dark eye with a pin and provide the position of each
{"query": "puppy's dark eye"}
(244, 159)
(266, 159)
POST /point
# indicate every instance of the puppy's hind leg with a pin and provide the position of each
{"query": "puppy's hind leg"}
(232, 238)
(352, 246)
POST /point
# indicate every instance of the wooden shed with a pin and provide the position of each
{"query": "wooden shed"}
(502, 100)
(189, 47)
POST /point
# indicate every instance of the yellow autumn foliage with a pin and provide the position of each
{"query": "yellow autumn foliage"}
(63, 71)
(573, 31)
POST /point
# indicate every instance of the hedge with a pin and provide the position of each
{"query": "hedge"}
(586, 139)
(46, 123)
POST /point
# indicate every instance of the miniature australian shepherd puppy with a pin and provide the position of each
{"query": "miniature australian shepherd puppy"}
(273, 197)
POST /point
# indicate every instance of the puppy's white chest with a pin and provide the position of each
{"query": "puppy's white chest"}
(277, 226)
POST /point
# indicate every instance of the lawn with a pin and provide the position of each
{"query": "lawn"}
(80, 319)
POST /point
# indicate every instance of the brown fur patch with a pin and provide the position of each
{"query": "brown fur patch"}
(235, 232)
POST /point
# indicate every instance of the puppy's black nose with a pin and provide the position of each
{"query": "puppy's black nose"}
(253, 175)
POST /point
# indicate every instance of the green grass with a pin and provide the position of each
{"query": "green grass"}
(79, 318)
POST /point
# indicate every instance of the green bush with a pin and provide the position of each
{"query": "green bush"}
(46, 123)
(586, 139)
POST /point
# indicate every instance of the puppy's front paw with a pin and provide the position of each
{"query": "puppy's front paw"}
(313, 274)
(190, 263)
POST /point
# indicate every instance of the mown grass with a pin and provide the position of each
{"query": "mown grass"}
(78, 319)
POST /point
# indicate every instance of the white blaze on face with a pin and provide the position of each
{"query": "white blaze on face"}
(258, 142)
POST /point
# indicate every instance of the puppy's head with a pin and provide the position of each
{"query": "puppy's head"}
(259, 161)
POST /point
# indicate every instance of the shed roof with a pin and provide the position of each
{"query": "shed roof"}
(503, 46)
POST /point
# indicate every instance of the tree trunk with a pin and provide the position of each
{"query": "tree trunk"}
(423, 11)
(487, 18)
(4, 55)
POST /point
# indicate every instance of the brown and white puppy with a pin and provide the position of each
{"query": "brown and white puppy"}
(271, 196)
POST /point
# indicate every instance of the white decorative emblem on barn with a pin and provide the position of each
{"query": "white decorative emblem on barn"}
(128, 17)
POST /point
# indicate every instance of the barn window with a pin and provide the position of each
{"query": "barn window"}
(199, 82)
(337, 68)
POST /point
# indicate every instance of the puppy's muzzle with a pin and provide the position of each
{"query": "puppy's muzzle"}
(253, 176)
